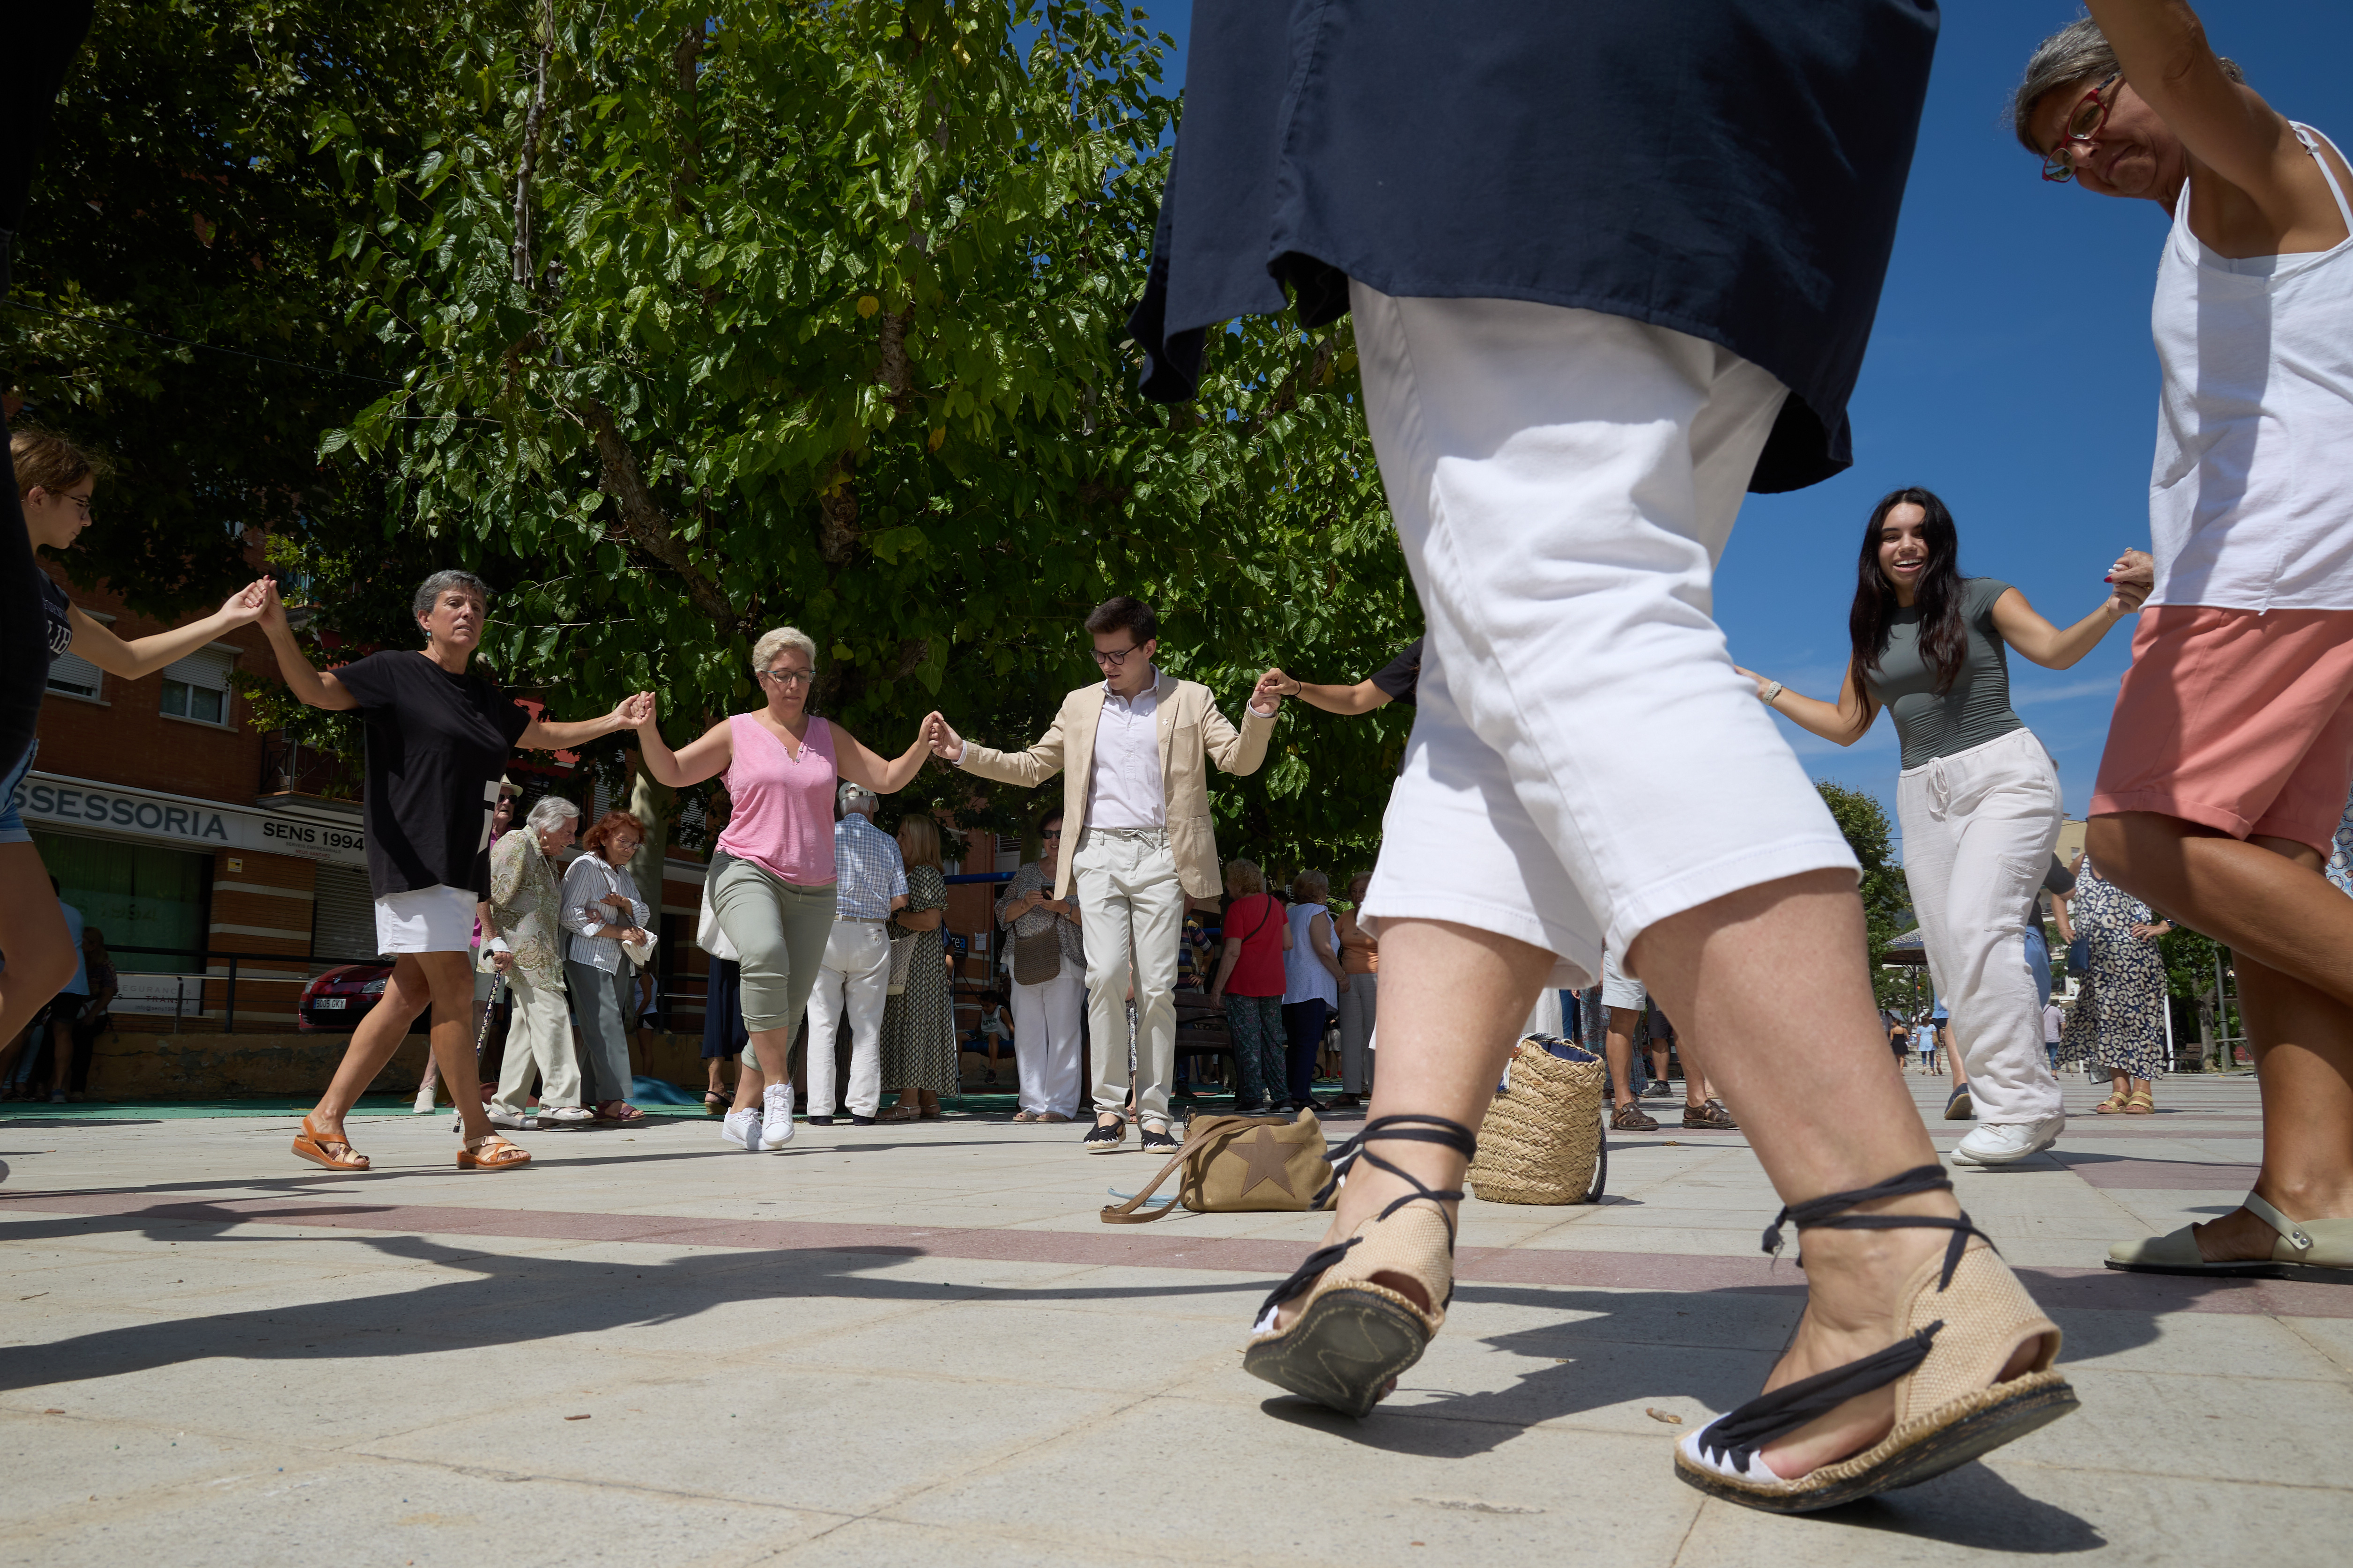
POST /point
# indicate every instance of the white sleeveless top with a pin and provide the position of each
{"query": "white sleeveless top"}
(1303, 979)
(2251, 498)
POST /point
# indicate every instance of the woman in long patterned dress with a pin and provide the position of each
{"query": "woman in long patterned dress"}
(2119, 1022)
(919, 1052)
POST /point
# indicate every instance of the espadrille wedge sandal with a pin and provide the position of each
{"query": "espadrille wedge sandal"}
(1965, 1315)
(1353, 1336)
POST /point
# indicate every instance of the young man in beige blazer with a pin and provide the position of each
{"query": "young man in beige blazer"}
(1133, 752)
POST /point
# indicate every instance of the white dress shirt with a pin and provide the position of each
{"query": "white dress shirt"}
(1125, 790)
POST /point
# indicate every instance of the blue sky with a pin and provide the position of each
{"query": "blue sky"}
(2010, 372)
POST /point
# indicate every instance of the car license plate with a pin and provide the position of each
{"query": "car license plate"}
(329, 1003)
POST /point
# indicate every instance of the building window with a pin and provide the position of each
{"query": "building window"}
(197, 686)
(140, 895)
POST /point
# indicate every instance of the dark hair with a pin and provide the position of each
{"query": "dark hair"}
(1046, 819)
(1120, 613)
(1944, 636)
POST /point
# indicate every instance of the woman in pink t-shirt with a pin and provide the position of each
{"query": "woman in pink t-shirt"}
(772, 871)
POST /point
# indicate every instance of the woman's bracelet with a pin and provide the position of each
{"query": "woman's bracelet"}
(1772, 689)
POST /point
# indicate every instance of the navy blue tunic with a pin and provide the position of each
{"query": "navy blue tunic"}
(1729, 168)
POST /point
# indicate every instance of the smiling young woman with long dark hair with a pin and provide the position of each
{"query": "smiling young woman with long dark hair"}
(1979, 797)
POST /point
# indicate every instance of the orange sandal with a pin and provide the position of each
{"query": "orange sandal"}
(490, 1153)
(319, 1149)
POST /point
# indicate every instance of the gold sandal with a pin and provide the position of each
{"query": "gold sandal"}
(319, 1149)
(1353, 1337)
(2140, 1104)
(2113, 1104)
(1965, 1315)
(489, 1152)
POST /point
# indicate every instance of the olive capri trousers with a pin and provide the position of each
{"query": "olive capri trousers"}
(780, 930)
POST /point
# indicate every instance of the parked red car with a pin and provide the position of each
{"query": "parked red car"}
(341, 997)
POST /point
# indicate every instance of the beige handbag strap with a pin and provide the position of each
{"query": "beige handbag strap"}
(1199, 1130)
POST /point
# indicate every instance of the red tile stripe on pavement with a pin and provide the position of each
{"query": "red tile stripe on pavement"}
(2088, 1290)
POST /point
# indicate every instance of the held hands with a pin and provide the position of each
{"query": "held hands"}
(267, 608)
(1271, 689)
(634, 713)
(2131, 581)
(248, 604)
(946, 743)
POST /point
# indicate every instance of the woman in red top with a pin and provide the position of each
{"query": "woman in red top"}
(1249, 983)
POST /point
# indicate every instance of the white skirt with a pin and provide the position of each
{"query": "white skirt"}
(426, 920)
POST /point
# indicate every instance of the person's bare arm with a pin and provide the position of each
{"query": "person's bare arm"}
(309, 688)
(1319, 939)
(2059, 917)
(2129, 582)
(2222, 124)
(1226, 960)
(1346, 701)
(858, 765)
(1842, 723)
(919, 919)
(543, 735)
(135, 656)
(699, 759)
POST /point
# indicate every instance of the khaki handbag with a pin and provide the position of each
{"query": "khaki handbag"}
(902, 958)
(1037, 959)
(1541, 1142)
(1238, 1164)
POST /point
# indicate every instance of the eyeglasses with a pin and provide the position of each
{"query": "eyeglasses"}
(789, 677)
(1111, 658)
(2090, 116)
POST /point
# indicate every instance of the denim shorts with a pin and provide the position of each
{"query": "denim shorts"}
(12, 822)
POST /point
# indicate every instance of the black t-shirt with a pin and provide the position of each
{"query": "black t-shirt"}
(54, 600)
(436, 743)
(1399, 678)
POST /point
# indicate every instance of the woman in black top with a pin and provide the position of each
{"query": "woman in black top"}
(438, 740)
(54, 484)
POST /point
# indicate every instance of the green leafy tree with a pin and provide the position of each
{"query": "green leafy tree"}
(812, 314)
(179, 203)
(1886, 896)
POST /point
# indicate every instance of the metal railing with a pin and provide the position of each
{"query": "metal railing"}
(312, 963)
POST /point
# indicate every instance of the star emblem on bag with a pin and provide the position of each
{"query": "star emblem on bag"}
(1269, 1161)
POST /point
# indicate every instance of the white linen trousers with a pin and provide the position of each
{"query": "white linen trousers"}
(1131, 911)
(1978, 828)
(1046, 1046)
(854, 979)
(1563, 482)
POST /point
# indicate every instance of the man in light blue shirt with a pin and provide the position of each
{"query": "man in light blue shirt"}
(870, 881)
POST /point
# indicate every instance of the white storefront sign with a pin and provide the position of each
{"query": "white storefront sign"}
(84, 805)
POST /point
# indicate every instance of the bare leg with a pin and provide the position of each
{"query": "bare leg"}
(2291, 932)
(442, 981)
(773, 1050)
(33, 934)
(1696, 1089)
(1618, 1049)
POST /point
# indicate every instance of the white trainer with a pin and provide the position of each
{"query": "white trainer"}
(424, 1106)
(776, 1116)
(501, 1117)
(740, 1128)
(2007, 1142)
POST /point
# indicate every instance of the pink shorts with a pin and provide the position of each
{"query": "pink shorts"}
(2240, 720)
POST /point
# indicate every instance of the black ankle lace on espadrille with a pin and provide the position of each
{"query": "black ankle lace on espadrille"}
(1770, 1417)
(1406, 1129)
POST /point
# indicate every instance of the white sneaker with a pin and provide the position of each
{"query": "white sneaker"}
(567, 1116)
(501, 1117)
(424, 1106)
(2007, 1142)
(776, 1116)
(740, 1128)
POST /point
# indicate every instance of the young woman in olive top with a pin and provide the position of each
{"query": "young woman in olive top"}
(1979, 798)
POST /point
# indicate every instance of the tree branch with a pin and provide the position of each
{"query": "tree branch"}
(522, 247)
(642, 519)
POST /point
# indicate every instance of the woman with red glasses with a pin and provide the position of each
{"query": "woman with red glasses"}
(2231, 748)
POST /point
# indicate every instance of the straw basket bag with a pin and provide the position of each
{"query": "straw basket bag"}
(1541, 1142)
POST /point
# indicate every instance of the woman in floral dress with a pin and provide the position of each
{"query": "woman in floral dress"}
(919, 1049)
(2119, 1022)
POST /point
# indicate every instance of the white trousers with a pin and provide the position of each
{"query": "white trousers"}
(1131, 913)
(854, 980)
(1978, 828)
(1563, 483)
(1046, 1042)
(539, 1038)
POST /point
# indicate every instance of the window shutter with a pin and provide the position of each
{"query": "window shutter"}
(69, 672)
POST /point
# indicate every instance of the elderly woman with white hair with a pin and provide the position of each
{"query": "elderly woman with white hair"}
(523, 933)
(772, 871)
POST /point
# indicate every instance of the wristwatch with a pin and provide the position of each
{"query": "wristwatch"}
(1772, 689)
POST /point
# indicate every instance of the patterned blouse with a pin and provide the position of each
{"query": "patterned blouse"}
(526, 902)
(1033, 877)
